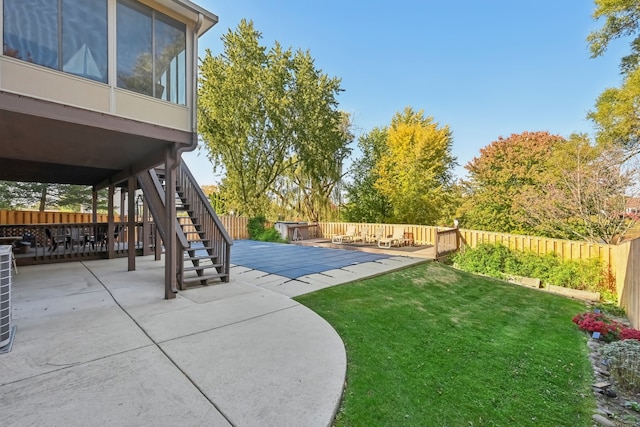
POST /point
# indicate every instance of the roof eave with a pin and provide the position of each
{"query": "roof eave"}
(210, 19)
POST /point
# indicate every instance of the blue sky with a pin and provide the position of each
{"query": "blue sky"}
(486, 68)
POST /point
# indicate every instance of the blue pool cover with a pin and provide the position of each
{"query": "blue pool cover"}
(294, 261)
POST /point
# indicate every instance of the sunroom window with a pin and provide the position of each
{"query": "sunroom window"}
(151, 52)
(67, 35)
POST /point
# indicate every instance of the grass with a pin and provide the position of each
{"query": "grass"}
(433, 346)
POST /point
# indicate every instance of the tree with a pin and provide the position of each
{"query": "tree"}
(79, 197)
(583, 193)
(6, 195)
(265, 114)
(34, 194)
(415, 169)
(307, 190)
(617, 113)
(364, 202)
(622, 20)
(498, 176)
(42, 196)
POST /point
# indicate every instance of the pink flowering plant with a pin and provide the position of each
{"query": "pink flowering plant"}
(609, 329)
(630, 334)
(597, 322)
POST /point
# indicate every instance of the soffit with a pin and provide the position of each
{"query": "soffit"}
(47, 142)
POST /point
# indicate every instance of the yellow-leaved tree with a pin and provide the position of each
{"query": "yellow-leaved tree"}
(415, 170)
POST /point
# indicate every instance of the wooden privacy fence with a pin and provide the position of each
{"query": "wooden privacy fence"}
(236, 226)
(565, 249)
(422, 234)
(627, 258)
(623, 260)
(8, 217)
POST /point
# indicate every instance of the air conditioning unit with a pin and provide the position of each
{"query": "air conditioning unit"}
(5, 296)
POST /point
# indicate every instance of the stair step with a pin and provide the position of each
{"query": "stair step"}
(197, 258)
(190, 234)
(202, 267)
(191, 225)
(202, 248)
(203, 278)
(201, 233)
(188, 224)
(200, 244)
(197, 240)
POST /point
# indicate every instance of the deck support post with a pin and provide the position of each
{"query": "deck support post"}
(171, 241)
(146, 250)
(110, 226)
(131, 223)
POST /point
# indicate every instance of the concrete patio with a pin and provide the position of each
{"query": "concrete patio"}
(97, 345)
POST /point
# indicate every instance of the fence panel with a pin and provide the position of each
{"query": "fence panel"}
(627, 254)
(9, 217)
(422, 234)
(622, 260)
(565, 249)
(236, 226)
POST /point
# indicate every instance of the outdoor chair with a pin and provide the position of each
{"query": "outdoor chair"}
(364, 234)
(396, 239)
(54, 239)
(74, 237)
(373, 238)
(99, 237)
(117, 230)
(349, 236)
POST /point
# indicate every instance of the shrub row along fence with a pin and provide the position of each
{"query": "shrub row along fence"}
(622, 260)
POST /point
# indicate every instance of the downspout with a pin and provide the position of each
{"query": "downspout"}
(194, 89)
(170, 210)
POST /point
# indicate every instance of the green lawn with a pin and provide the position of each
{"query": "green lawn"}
(433, 346)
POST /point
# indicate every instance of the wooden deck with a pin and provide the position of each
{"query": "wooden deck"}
(423, 251)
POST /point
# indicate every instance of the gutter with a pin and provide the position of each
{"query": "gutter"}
(198, 11)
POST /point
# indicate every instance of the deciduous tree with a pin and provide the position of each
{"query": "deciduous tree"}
(622, 19)
(617, 112)
(583, 193)
(265, 114)
(415, 169)
(617, 115)
(498, 176)
(365, 203)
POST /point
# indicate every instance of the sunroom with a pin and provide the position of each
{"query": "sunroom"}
(100, 92)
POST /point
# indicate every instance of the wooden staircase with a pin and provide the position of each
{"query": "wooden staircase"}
(205, 243)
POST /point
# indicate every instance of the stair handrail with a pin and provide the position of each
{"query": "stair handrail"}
(207, 204)
(159, 192)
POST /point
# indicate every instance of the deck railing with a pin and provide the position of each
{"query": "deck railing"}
(42, 243)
